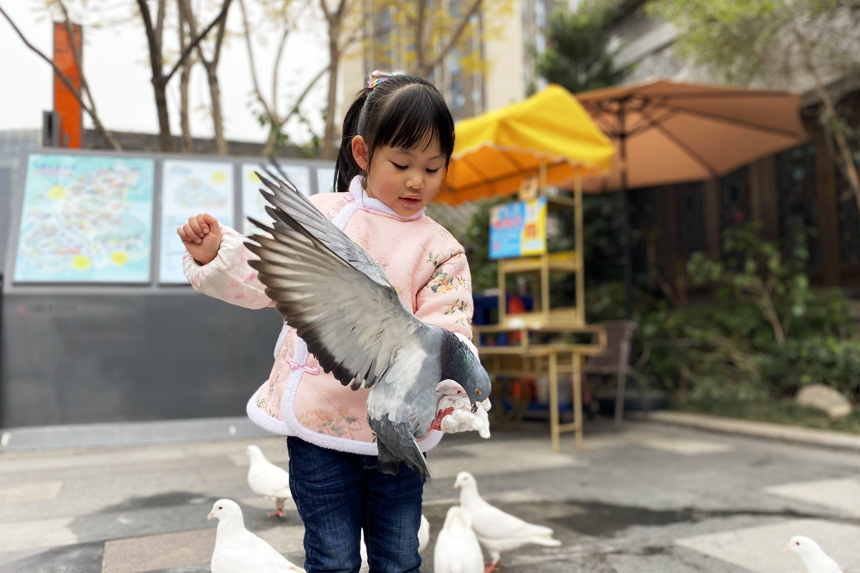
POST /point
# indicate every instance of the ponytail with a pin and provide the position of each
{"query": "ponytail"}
(345, 168)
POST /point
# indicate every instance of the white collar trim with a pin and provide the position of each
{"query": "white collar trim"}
(368, 203)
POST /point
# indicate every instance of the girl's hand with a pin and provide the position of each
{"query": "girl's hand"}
(201, 236)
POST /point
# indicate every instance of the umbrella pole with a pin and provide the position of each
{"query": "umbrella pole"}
(625, 209)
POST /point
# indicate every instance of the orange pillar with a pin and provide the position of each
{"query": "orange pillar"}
(65, 102)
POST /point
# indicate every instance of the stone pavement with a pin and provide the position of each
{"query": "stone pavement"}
(646, 500)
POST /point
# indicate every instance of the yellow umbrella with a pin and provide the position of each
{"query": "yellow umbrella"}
(549, 132)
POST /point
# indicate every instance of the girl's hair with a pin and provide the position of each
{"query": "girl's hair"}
(398, 111)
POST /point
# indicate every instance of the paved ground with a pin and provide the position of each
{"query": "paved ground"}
(652, 499)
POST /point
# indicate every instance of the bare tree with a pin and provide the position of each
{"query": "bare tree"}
(211, 66)
(160, 79)
(272, 116)
(186, 144)
(84, 92)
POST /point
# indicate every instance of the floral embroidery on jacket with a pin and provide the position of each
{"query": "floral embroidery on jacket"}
(335, 420)
(440, 283)
(457, 306)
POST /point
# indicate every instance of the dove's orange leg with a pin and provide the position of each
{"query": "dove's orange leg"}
(491, 567)
(280, 512)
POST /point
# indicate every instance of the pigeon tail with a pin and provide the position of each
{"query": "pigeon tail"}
(546, 541)
(398, 444)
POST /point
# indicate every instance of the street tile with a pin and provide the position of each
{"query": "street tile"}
(681, 446)
(762, 549)
(840, 494)
(30, 491)
(36, 534)
(138, 554)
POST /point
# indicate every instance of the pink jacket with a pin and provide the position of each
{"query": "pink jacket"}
(427, 268)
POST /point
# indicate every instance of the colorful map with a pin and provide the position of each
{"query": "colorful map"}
(190, 188)
(85, 219)
(253, 204)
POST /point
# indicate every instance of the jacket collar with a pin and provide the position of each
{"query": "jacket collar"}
(368, 203)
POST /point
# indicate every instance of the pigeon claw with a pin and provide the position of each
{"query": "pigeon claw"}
(437, 421)
(492, 567)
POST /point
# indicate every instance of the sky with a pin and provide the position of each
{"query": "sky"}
(116, 65)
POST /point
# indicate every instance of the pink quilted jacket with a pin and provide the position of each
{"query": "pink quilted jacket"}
(423, 262)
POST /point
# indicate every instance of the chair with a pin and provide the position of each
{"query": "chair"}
(615, 361)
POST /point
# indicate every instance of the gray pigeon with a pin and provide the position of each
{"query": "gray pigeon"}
(342, 305)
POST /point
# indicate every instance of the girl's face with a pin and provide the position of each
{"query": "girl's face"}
(404, 179)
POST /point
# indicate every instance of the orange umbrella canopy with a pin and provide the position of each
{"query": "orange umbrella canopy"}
(496, 151)
(670, 132)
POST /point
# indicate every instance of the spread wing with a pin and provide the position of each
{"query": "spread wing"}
(354, 325)
(290, 200)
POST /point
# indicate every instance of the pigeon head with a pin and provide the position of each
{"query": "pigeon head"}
(225, 508)
(253, 451)
(461, 364)
(465, 479)
(812, 555)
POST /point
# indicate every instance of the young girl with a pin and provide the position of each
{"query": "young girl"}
(398, 137)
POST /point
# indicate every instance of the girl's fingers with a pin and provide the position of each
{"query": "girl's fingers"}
(204, 226)
(187, 235)
(209, 219)
(195, 227)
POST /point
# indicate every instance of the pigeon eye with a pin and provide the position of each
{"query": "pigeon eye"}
(797, 543)
(478, 392)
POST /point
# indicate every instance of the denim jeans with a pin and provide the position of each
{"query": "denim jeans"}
(338, 494)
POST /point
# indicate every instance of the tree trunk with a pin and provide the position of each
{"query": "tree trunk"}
(328, 149)
(165, 139)
(829, 121)
(217, 117)
(187, 142)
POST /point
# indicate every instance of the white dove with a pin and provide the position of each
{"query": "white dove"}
(457, 549)
(268, 480)
(237, 550)
(423, 540)
(813, 557)
(496, 530)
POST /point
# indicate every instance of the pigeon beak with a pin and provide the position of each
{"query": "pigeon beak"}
(474, 407)
(210, 516)
(787, 547)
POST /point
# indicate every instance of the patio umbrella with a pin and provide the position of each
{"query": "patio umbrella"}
(670, 132)
(548, 135)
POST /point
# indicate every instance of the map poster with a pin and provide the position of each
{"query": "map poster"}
(253, 204)
(518, 229)
(189, 188)
(325, 180)
(85, 219)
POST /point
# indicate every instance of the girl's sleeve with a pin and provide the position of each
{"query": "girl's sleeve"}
(228, 276)
(446, 299)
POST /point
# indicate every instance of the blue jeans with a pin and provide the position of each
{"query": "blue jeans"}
(339, 494)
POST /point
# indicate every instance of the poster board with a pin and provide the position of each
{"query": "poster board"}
(85, 219)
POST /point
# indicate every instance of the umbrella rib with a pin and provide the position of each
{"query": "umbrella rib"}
(740, 122)
(684, 147)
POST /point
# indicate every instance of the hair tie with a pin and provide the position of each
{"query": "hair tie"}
(378, 76)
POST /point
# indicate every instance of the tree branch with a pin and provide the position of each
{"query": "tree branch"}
(454, 38)
(59, 73)
(191, 46)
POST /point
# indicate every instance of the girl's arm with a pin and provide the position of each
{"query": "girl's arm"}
(228, 277)
(446, 299)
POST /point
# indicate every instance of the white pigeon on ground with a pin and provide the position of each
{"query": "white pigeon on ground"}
(268, 480)
(813, 557)
(423, 534)
(237, 550)
(496, 530)
(457, 548)
(423, 540)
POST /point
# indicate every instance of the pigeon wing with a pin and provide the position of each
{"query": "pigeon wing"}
(287, 199)
(355, 326)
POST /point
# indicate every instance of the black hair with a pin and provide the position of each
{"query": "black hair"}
(401, 111)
